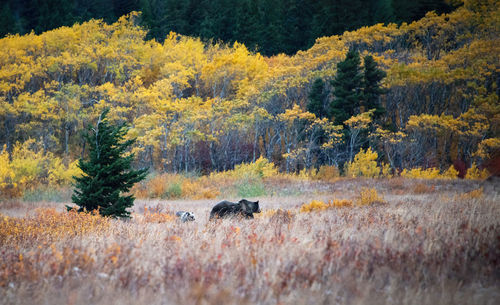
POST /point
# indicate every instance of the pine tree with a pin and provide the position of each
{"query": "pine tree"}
(107, 173)
(372, 89)
(123, 7)
(382, 11)
(317, 97)
(7, 20)
(297, 26)
(247, 28)
(347, 88)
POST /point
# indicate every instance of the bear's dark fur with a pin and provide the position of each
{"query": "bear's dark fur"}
(242, 208)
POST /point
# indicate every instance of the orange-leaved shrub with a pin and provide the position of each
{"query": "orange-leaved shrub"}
(327, 173)
(474, 194)
(156, 215)
(175, 186)
(47, 225)
(421, 188)
(314, 205)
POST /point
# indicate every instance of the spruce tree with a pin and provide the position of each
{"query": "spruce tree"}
(372, 89)
(107, 172)
(7, 21)
(347, 88)
(382, 11)
(317, 97)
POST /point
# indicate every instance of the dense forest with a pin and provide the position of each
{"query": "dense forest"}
(424, 94)
(267, 26)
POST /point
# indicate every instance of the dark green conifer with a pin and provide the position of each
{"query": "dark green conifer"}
(347, 88)
(317, 97)
(372, 88)
(107, 172)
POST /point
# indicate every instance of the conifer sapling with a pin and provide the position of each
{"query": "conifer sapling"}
(107, 172)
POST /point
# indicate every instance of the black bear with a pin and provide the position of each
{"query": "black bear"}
(243, 208)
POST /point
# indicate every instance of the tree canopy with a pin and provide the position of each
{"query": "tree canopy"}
(200, 106)
(269, 26)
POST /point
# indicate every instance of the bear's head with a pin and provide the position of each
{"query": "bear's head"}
(250, 206)
(188, 216)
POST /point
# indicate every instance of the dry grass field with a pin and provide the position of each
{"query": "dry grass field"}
(422, 242)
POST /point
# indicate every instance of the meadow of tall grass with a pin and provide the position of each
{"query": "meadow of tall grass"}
(410, 242)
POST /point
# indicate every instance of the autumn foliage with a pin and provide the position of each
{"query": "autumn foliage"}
(206, 107)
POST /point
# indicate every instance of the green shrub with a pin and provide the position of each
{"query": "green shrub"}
(174, 191)
(251, 188)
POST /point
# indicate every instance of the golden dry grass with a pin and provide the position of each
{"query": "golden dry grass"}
(439, 247)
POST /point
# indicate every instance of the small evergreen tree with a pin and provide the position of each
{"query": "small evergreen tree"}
(107, 173)
(347, 88)
(317, 97)
(372, 88)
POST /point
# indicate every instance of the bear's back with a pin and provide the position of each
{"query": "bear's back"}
(225, 208)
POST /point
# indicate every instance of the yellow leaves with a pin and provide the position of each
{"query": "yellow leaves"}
(184, 91)
(296, 113)
(472, 124)
(386, 170)
(450, 173)
(327, 173)
(390, 137)
(360, 121)
(427, 122)
(36, 104)
(474, 173)
(469, 124)
(363, 165)
(260, 114)
(232, 70)
(314, 205)
(30, 167)
(487, 148)
(377, 35)
(181, 61)
(28, 163)
(261, 168)
(430, 173)
(318, 205)
(368, 196)
(340, 203)
(59, 174)
(7, 173)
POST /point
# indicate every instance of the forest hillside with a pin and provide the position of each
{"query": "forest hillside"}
(268, 26)
(198, 106)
